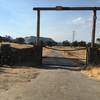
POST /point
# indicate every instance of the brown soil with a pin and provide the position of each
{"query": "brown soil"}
(13, 76)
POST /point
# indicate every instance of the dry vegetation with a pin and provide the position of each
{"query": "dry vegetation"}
(19, 46)
(80, 54)
(92, 72)
(46, 51)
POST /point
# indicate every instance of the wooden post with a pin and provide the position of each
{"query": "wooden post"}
(93, 28)
(38, 27)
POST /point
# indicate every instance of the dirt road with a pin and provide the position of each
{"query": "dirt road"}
(55, 84)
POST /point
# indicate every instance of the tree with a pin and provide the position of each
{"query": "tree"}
(98, 40)
(31, 43)
(75, 43)
(0, 39)
(66, 43)
(95, 45)
(42, 43)
(20, 40)
(8, 38)
(49, 43)
(82, 43)
(89, 44)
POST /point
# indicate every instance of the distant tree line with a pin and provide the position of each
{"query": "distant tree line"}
(72, 44)
(81, 43)
(21, 40)
(75, 43)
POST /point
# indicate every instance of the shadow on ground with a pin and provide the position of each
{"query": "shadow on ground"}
(72, 64)
(52, 63)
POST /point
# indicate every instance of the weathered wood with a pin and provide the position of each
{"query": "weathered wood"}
(93, 29)
(66, 8)
(93, 56)
(38, 27)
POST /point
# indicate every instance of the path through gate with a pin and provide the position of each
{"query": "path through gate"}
(64, 56)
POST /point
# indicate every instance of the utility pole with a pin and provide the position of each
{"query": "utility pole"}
(73, 36)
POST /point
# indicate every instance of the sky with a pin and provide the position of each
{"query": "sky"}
(17, 19)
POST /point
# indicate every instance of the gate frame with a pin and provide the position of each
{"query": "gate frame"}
(61, 8)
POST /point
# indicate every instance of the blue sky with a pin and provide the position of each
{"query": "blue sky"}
(18, 19)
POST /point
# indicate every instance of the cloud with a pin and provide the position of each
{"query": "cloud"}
(84, 20)
(78, 20)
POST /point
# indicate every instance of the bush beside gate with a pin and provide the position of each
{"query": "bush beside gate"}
(24, 56)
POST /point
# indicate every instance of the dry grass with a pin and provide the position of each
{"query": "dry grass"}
(19, 46)
(92, 71)
(46, 51)
(80, 54)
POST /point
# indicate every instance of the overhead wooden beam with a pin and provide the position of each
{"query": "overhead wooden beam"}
(66, 8)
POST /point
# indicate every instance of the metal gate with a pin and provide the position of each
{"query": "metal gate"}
(65, 56)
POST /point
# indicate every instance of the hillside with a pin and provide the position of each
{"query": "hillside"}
(33, 38)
